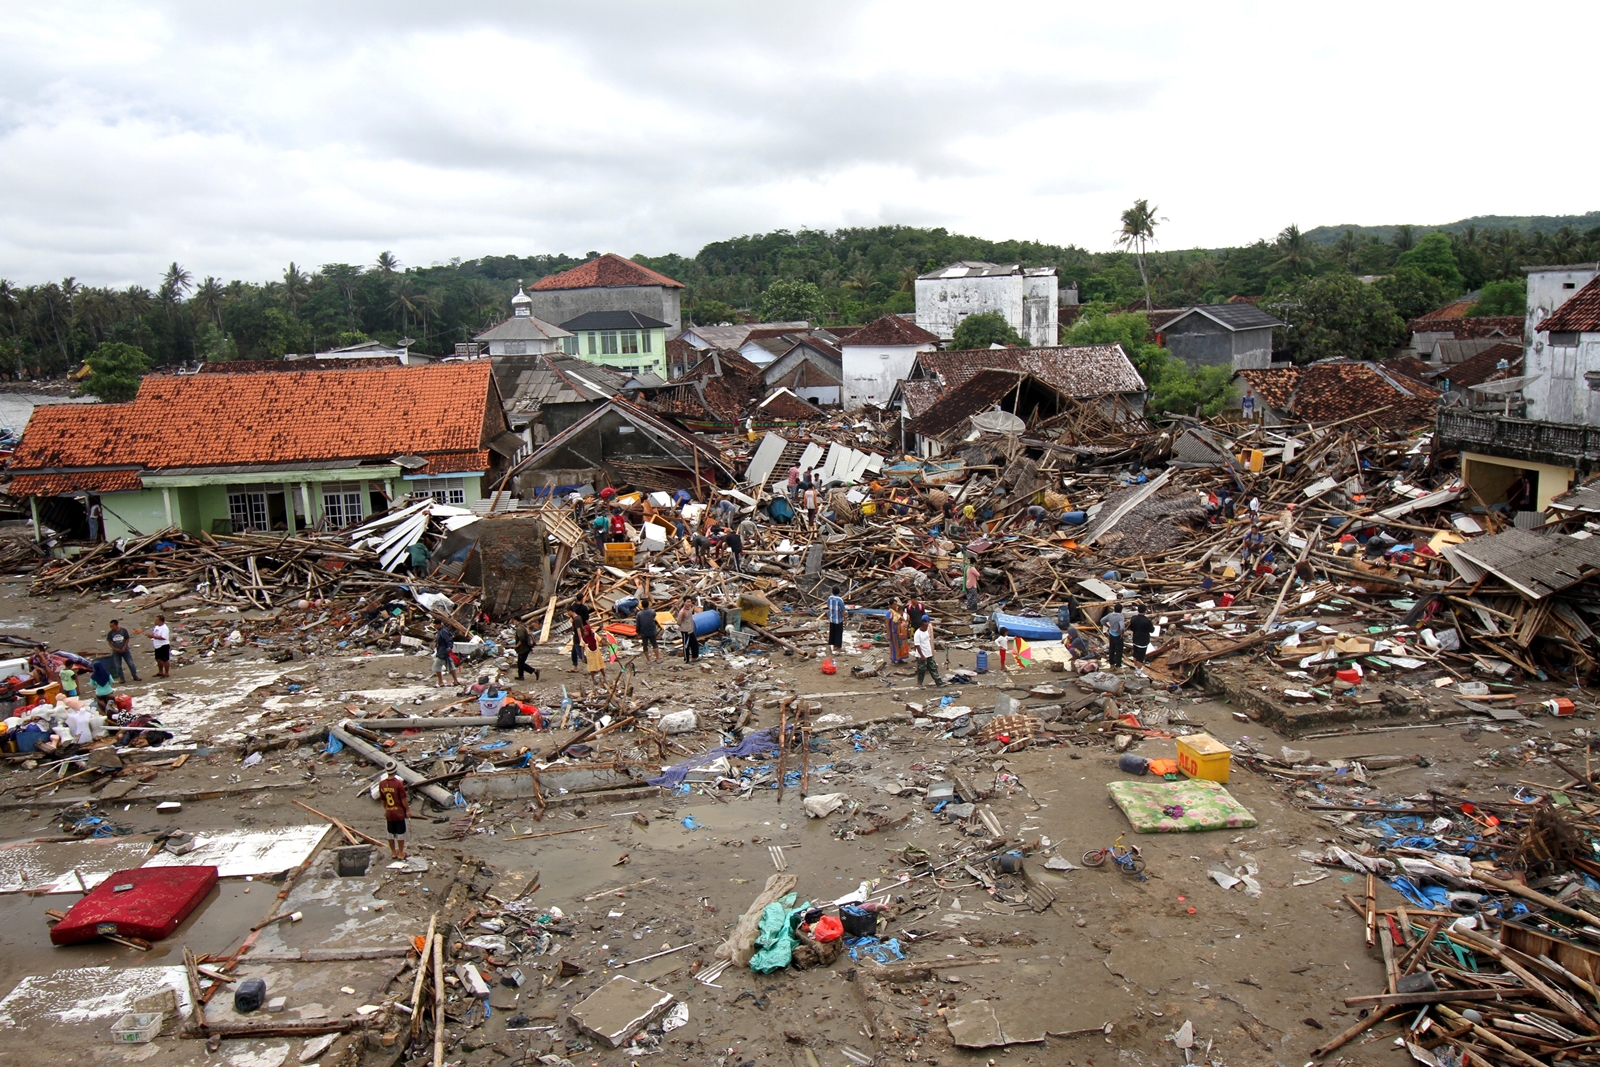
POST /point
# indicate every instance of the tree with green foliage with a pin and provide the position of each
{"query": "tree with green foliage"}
(712, 313)
(1509, 296)
(1433, 255)
(212, 345)
(1411, 292)
(1137, 234)
(791, 301)
(115, 371)
(1337, 316)
(982, 330)
(1173, 386)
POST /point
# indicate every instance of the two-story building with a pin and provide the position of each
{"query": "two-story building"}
(1553, 434)
(626, 341)
(1220, 335)
(609, 283)
(1027, 297)
(878, 355)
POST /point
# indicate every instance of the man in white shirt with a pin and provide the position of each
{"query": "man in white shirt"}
(922, 644)
(161, 642)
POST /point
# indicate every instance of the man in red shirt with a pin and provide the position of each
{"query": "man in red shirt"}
(392, 791)
(619, 526)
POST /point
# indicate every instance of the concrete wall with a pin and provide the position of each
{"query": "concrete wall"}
(133, 514)
(1561, 393)
(870, 373)
(1252, 349)
(529, 348)
(943, 302)
(1490, 476)
(1041, 326)
(1200, 342)
(657, 301)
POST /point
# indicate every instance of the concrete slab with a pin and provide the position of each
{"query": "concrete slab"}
(619, 1009)
(88, 994)
(252, 853)
(67, 866)
(977, 1024)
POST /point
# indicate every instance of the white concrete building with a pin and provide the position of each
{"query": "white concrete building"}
(524, 333)
(1027, 297)
(1562, 360)
(878, 355)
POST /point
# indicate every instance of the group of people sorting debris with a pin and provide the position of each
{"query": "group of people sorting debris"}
(51, 711)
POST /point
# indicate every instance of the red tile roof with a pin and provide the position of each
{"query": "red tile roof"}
(79, 482)
(891, 330)
(222, 420)
(457, 463)
(1086, 370)
(1336, 389)
(1473, 326)
(609, 271)
(1580, 314)
(1410, 367)
(1456, 309)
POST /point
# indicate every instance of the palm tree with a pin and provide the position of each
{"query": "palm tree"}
(296, 287)
(861, 279)
(1344, 250)
(487, 303)
(1404, 237)
(1564, 245)
(174, 284)
(1294, 252)
(1137, 234)
(404, 304)
(1504, 252)
(388, 263)
(208, 298)
(908, 279)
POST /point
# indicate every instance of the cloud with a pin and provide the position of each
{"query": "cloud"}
(236, 138)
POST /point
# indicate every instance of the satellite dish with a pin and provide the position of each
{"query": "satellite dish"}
(998, 422)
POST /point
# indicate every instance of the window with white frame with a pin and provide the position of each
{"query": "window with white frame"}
(569, 345)
(630, 341)
(644, 340)
(593, 351)
(247, 510)
(444, 490)
(341, 503)
(608, 342)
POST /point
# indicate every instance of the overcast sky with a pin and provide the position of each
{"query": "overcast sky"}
(237, 137)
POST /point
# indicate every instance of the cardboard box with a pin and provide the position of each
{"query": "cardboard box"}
(1203, 756)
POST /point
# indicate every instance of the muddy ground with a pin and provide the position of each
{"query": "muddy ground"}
(1121, 962)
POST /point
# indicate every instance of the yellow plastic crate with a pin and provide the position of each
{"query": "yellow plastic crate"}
(619, 554)
(1203, 756)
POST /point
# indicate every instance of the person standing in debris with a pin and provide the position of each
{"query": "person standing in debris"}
(600, 527)
(969, 582)
(749, 532)
(524, 645)
(396, 808)
(444, 644)
(691, 642)
(794, 484)
(117, 639)
(1115, 625)
(1254, 541)
(594, 660)
(899, 646)
(735, 545)
(916, 611)
(726, 510)
(1255, 509)
(101, 677)
(923, 643)
(649, 630)
(161, 647)
(68, 678)
(969, 520)
(1247, 406)
(810, 498)
(577, 616)
(1007, 645)
(96, 515)
(619, 527)
(1140, 628)
(835, 619)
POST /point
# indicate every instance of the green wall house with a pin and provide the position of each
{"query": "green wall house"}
(221, 452)
(625, 341)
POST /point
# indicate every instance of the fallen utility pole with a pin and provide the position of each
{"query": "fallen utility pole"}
(373, 754)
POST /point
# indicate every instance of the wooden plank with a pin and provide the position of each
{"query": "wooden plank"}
(549, 617)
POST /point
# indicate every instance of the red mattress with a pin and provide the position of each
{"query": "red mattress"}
(161, 898)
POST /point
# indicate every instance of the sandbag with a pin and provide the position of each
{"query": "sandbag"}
(679, 722)
(823, 805)
(741, 943)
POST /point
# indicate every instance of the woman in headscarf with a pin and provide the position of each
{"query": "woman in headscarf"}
(899, 647)
(102, 687)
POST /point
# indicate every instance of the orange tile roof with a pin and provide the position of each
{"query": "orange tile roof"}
(605, 272)
(78, 482)
(457, 463)
(223, 420)
(1580, 314)
(891, 330)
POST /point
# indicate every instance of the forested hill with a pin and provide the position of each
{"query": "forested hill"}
(840, 276)
(1528, 224)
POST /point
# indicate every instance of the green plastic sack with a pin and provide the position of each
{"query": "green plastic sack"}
(774, 937)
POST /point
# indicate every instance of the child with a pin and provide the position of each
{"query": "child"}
(392, 791)
(69, 681)
(593, 661)
(1006, 644)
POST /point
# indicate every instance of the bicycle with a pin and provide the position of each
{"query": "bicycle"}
(1126, 858)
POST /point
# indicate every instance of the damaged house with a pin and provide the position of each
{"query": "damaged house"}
(272, 450)
(622, 443)
(1337, 390)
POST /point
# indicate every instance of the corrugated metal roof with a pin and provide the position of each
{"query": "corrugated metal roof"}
(1229, 316)
(1533, 563)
